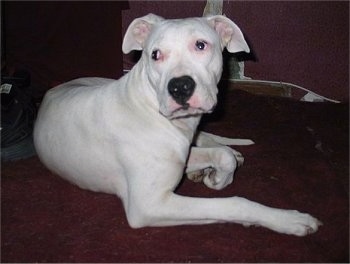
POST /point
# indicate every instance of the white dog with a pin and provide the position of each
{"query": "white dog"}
(132, 137)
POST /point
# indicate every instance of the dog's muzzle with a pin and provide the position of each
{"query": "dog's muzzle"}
(181, 89)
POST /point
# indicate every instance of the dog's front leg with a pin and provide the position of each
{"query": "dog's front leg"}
(151, 200)
(214, 166)
(165, 208)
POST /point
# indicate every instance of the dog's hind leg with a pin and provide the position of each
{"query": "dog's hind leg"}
(204, 139)
(207, 140)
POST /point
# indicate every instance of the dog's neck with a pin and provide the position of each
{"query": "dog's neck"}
(187, 125)
(146, 95)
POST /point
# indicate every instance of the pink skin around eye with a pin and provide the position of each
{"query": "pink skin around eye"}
(193, 45)
(159, 56)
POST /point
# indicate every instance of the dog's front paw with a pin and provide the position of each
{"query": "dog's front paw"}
(295, 223)
(221, 174)
(239, 157)
(216, 179)
(210, 177)
(198, 176)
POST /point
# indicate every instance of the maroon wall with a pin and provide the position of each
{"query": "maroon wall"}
(305, 43)
(60, 41)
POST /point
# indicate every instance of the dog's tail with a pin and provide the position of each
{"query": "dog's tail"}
(209, 140)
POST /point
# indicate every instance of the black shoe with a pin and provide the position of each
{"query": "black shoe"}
(18, 113)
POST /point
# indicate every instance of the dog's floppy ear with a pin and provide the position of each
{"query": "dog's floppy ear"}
(138, 31)
(231, 36)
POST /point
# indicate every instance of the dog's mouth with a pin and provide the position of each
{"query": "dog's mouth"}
(186, 110)
(196, 105)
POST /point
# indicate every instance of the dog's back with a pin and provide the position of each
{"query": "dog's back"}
(76, 108)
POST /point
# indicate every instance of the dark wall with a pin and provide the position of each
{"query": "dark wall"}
(60, 41)
(305, 43)
(302, 42)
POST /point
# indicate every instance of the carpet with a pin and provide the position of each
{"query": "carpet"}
(300, 160)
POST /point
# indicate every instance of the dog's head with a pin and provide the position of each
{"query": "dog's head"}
(182, 59)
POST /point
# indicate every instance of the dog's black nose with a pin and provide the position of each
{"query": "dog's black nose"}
(181, 89)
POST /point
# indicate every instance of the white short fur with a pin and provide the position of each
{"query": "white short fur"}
(130, 138)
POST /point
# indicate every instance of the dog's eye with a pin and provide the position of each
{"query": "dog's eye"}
(201, 44)
(156, 55)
